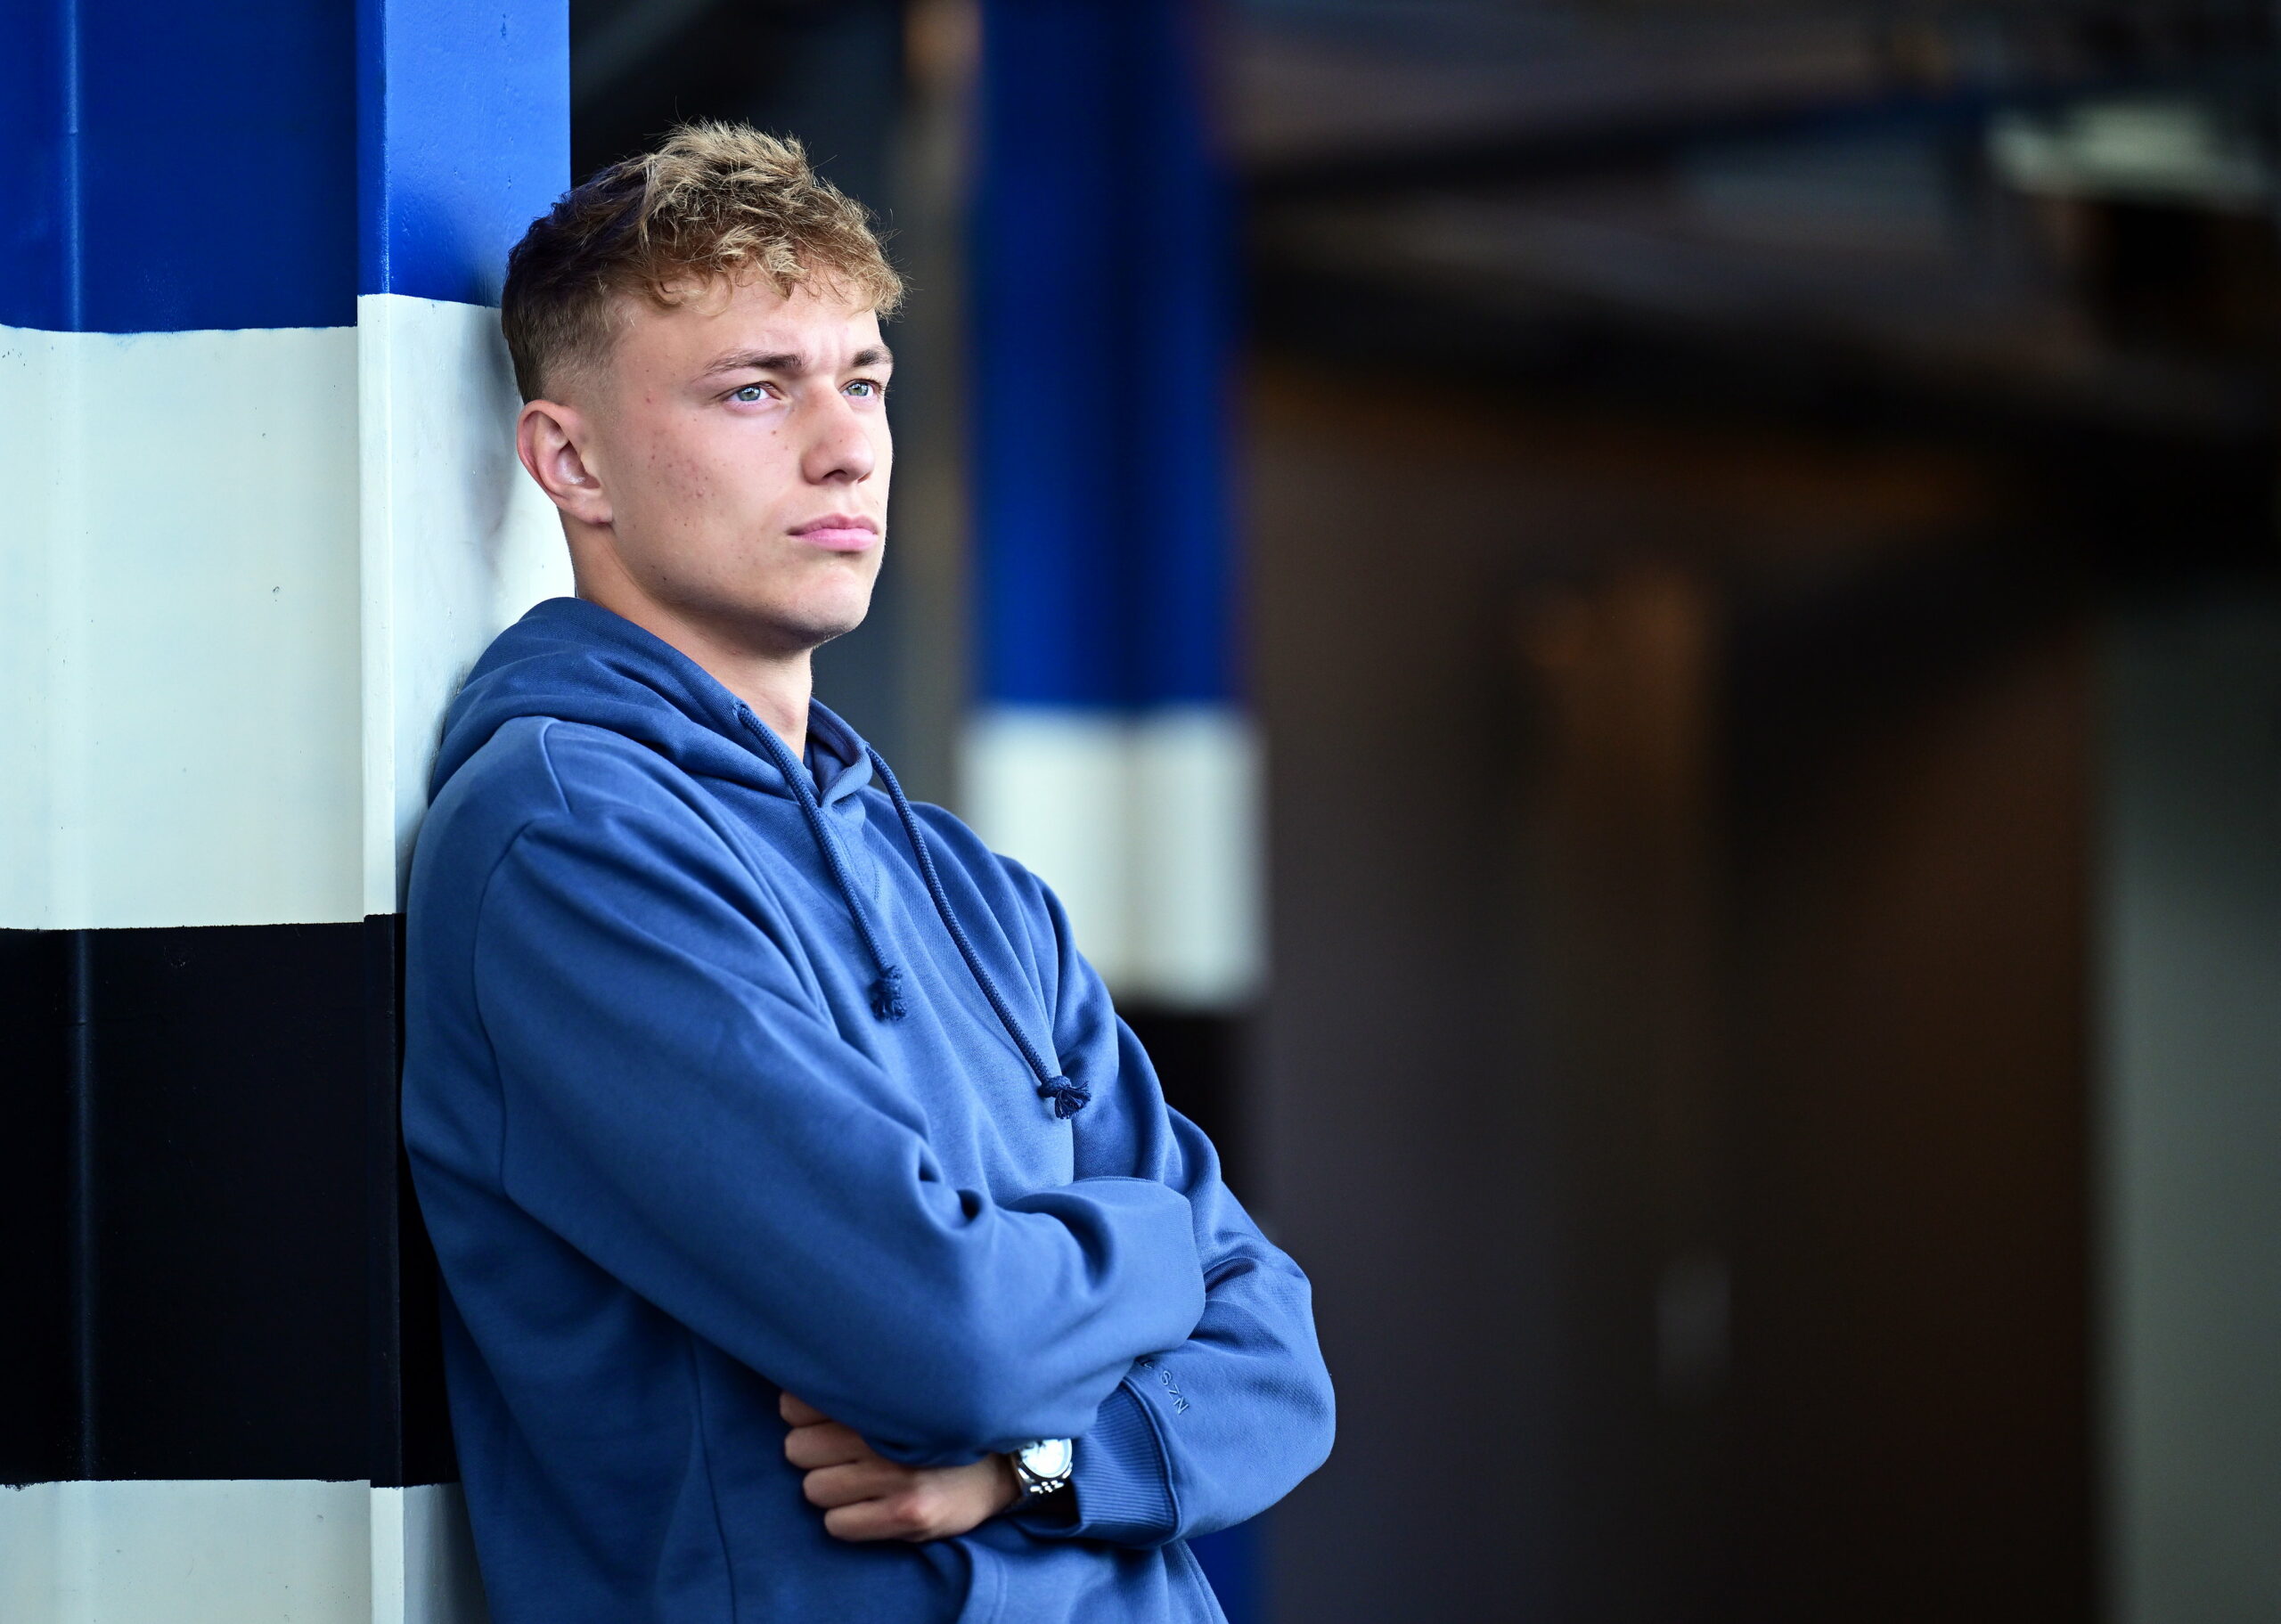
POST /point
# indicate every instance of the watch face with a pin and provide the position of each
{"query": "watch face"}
(1048, 1459)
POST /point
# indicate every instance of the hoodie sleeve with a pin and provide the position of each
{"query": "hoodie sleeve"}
(679, 1108)
(1222, 1424)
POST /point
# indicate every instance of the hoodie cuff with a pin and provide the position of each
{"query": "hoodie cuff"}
(1122, 1483)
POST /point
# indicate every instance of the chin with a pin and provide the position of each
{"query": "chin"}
(821, 632)
(819, 623)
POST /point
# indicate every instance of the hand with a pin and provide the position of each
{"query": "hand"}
(865, 1496)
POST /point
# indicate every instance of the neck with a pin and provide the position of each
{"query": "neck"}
(776, 684)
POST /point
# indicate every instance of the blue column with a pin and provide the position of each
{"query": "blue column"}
(252, 424)
(1109, 748)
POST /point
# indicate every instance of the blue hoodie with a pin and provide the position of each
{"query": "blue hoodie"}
(726, 1073)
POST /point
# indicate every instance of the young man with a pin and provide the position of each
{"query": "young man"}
(817, 1244)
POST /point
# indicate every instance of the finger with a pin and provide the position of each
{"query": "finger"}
(870, 1480)
(799, 1412)
(913, 1503)
(898, 1516)
(825, 1444)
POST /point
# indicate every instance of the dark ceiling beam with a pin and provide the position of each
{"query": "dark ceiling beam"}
(1507, 156)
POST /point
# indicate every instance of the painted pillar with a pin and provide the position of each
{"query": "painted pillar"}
(1109, 750)
(262, 511)
(2189, 1338)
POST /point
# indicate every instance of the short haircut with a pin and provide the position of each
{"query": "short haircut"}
(713, 202)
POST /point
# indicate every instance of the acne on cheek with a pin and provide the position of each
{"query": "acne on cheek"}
(670, 469)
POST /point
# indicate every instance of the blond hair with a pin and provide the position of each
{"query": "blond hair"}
(715, 202)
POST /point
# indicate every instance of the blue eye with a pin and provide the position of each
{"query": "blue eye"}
(872, 387)
(751, 394)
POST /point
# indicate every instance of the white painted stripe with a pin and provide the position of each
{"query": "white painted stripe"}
(236, 1552)
(1050, 789)
(1198, 936)
(423, 1557)
(224, 670)
(458, 541)
(179, 568)
(1146, 826)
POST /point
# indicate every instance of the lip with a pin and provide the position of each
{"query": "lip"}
(839, 531)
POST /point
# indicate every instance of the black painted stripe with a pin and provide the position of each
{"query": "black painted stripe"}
(1199, 1057)
(212, 1258)
(38, 1418)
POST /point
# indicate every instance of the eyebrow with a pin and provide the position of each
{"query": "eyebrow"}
(787, 361)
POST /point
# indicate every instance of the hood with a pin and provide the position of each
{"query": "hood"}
(576, 661)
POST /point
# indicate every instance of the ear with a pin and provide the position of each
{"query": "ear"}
(553, 442)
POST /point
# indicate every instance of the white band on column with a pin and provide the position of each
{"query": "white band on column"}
(457, 541)
(223, 1551)
(1146, 826)
(180, 569)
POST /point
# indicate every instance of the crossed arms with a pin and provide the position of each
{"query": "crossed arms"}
(803, 1226)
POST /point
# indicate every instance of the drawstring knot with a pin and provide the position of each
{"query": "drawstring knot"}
(887, 994)
(1069, 1096)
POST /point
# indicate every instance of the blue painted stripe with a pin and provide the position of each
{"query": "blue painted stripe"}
(1046, 372)
(464, 127)
(1184, 267)
(166, 166)
(1102, 292)
(1231, 1560)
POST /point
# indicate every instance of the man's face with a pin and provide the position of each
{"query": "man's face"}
(739, 443)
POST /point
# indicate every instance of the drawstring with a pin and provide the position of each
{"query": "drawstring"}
(1068, 1095)
(887, 991)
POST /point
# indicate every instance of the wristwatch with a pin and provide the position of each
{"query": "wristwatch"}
(1043, 1467)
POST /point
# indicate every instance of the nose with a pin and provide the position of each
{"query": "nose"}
(840, 449)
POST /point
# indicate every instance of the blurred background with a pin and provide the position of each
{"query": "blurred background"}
(1644, 635)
